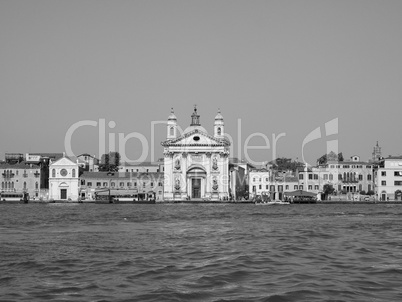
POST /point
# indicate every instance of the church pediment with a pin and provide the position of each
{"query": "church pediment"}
(64, 161)
(196, 137)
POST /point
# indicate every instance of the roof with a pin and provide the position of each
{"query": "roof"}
(196, 130)
(21, 165)
(50, 155)
(392, 157)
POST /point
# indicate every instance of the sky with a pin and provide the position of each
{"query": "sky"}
(273, 68)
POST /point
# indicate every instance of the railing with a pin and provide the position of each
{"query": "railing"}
(8, 175)
(350, 181)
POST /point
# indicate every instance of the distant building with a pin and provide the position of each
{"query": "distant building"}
(20, 177)
(376, 155)
(143, 167)
(90, 162)
(352, 176)
(140, 186)
(389, 178)
(196, 163)
(63, 180)
(14, 158)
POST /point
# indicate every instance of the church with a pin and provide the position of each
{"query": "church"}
(196, 163)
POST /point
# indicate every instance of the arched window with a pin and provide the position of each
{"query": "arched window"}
(25, 185)
(12, 185)
(219, 130)
(73, 172)
(2, 184)
(53, 173)
(36, 185)
(171, 131)
(331, 177)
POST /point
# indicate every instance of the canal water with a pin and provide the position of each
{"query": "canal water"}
(200, 252)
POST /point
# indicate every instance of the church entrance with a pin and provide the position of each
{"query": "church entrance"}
(196, 187)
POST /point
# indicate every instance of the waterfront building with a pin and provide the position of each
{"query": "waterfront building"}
(389, 178)
(64, 179)
(139, 186)
(21, 178)
(143, 167)
(196, 163)
(349, 177)
(272, 183)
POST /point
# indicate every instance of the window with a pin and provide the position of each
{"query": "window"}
(16, 172)
(287, 187)
(310, 176)
(325, 176)
(98, 184)
(310, 187)
(398, 183)
(135, 184)
(295, 187)
(143, 184)
(36, 185)
(331, 177)
(339, 188)
(266, 187)
(369, 188)
(259, 187)
(160, 184)
(398, 173)
(253, 179)
(126, 170)
(360, 187)
(316, 187)
(129, 184)
(219, 131)
(25, 185)
(383, 183)
(260, 179)
(266, 179)
(300, 187)
(105, 184)
(300, 176)
(369, 177)
(53, 173)
(315, 176)
(171, 131)
(89, 184)
(332, 166)
(360, 177)
(152, 184)
(73, 173)
(339, 176)
(383, 173)
(121, 184)
(254, 188)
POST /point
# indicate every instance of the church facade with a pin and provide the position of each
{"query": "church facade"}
(196, 163)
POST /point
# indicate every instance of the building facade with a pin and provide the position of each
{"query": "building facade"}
(139, 186)
(21, 178)
(64, 180)
(389, 179)
(196, 164)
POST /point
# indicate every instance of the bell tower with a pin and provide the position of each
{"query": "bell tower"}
(219, 125)
(195, 118)
(171, 126)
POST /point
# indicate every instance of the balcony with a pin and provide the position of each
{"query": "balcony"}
(36, 174)
(8, 175)
(25, 175)
(350, 181)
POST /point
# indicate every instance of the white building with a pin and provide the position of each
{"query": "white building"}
(63, 180)
(389, 179)
(196, 163)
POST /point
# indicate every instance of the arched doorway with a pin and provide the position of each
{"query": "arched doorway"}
(63, 187)
(383, 196)
(196, 181)
(398, 195)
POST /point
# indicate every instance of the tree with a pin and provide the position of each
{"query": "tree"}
(340, 156)
(328, 190)
(331, 156)
(322, 160)
(110, 162)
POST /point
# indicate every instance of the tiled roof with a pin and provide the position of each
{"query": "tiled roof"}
(137, 164)
(21, 165)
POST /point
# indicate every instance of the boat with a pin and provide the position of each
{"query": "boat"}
(274, 202)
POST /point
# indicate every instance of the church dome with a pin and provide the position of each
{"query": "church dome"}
(172, 117)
